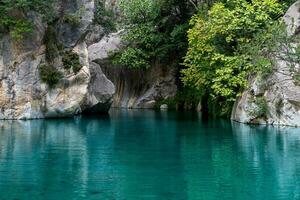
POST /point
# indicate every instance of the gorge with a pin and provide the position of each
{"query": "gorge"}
(149, 99)
(73, 54)
(25, 96)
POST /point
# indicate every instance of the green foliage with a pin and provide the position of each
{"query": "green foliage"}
(18, 28)
(74, 19)
(133, 58)
(104, 16)
(214, 65)
(296, 79)
(156, 34)
(50, 75)
(260, 109)
(71, 61)
(186, 98)
(51, 43)
(13, 17)
(270, 45)
(139, 12)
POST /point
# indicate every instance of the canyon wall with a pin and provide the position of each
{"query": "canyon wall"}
(93, 88)
(279, 94)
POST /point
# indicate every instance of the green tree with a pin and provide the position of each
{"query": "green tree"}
(213, 63)
(156, 32)
(13, 15)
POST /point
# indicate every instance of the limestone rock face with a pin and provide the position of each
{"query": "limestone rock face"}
(90, 90)
(24, 96)
(99, 51)
(68, 33)
(134, 88)
(279, 94)
(99, 99)
(142, 89)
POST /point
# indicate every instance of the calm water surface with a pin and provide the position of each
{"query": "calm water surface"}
(137, 155)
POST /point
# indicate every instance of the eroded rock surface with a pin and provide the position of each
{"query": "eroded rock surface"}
(90, 90)
(24, 96)
(134, 88)
(279, 95)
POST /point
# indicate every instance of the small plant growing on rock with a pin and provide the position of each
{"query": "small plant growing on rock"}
(51, 43)
(296, 79)
(104, 16)
(71, 61)
(50, 75)
(278, 106)
(260, 109)
(14, 16)
(74, 19)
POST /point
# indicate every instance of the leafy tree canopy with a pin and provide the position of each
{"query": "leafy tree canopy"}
(156, 32)
(213, 63)
(13, 15)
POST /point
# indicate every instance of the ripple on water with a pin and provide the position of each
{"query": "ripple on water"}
(147, 155)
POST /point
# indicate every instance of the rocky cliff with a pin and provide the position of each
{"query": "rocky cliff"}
(22, 93)
(135, 88)
(89, 86)
(277, 98)
(142, 88)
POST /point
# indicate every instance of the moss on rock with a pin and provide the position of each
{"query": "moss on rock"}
(50, 75)
(71, 61)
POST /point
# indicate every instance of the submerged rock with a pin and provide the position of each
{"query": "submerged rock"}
(164, 107)
(275, 100)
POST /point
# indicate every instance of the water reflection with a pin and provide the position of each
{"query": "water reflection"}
(272, 154)
(147, 155)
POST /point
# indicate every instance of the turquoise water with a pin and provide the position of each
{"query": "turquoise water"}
(137, 155)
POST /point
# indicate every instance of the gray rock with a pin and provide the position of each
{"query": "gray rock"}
(70, 34)
(280, 92)
(134, 88)
(100, 93)
(141, 88)
(292, 19)
(164, 107)
(24, 96)
(100, 50)
(95, 34)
